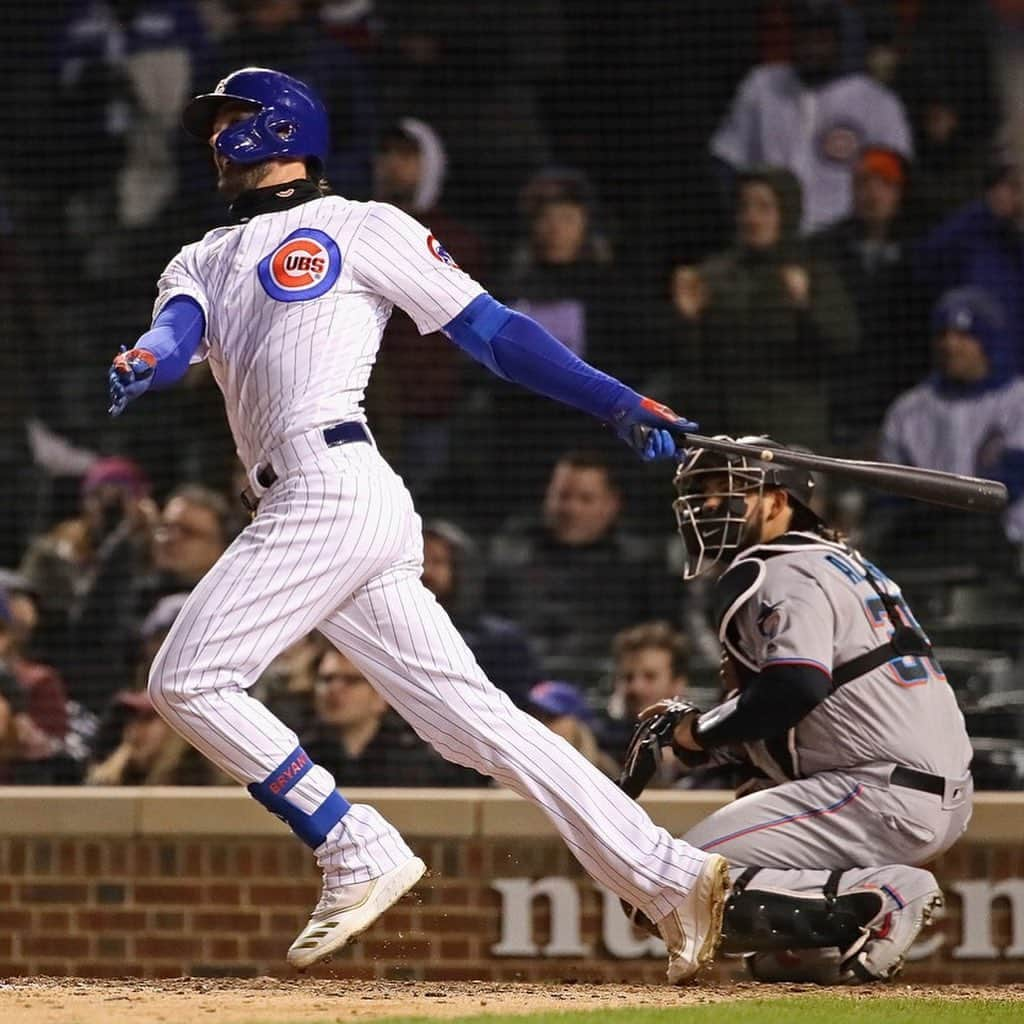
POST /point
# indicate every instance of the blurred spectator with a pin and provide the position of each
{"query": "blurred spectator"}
(34, 695)
(651, 662)
(451, 571)
(152, 633)
(562, 274)
(89, 573)
(12, 705)
(287, 684)
(869, 250)
(126, 68)
(768, 321)
(651, 665)
(982, 244)
(946, 81)
(951, 165)
(416, 384)
(776, 31)
(1006, 39)
(810, 117)
(196, 526)
(23, 313)
(967, 417)
(361, 742)
(473, 70)
(287, 35)
(573, 577)
(640, 93)
(149, 753)
(563, 709)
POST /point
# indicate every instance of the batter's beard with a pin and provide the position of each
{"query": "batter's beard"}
(234, 179)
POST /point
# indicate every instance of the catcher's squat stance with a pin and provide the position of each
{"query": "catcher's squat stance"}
(835, 696)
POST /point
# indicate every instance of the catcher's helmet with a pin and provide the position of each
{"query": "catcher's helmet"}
(288, 118)
(711, 507)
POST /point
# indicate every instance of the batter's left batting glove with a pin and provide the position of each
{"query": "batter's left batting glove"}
(650, 429)
(129, 376)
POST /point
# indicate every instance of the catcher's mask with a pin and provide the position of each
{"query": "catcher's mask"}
(711, 507)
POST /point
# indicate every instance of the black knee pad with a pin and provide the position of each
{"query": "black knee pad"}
(765, 920)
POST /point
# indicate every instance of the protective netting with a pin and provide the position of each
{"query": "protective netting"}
(754, 211)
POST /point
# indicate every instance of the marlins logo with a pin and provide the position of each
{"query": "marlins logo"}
(439, 252)
(769, 618)
(304, 266)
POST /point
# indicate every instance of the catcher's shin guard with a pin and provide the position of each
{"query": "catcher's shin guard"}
(764, 920)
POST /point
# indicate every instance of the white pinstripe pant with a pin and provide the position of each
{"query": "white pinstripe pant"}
(337, 546)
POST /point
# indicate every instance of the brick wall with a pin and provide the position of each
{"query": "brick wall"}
(160, 905)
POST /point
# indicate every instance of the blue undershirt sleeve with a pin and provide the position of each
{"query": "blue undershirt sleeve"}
(516, 348)
(174, 337)
(774, 701)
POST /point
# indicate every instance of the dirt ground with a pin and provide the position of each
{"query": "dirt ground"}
(234, 1001)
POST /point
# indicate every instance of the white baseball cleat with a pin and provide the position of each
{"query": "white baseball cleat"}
(889, 936)
(693, 930)
(343, 914)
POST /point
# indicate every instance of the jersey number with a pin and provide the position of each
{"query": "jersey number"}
(910, 670)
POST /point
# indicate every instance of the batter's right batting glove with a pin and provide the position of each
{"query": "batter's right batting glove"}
(129, 376)
(650, 428)
(643, 756)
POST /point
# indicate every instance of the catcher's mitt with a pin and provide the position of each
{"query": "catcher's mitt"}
(643, 756)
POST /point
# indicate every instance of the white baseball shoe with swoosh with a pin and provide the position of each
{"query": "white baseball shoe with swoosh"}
(341, 915)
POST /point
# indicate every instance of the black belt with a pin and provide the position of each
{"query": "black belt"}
(911, 778)
(340, 433)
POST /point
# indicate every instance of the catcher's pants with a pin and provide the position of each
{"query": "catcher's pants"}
(337, 546)
(800, 831)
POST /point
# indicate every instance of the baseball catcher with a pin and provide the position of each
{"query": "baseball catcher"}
(837, 698)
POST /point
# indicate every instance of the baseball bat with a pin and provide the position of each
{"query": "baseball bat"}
(969, 493)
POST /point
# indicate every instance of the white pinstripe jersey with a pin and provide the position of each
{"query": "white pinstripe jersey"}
(296, 302)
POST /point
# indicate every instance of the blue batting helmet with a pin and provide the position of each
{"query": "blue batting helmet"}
(288, 117)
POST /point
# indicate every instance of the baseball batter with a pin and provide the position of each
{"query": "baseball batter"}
(840, 703)
(288, 305)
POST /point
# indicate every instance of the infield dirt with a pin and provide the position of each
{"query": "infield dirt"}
(234, 1001)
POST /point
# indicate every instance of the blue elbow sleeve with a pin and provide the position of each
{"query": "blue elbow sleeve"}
(520, 350)
(174, 337)
(475, 328)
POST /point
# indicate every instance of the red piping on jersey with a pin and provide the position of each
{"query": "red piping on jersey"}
(831, 809)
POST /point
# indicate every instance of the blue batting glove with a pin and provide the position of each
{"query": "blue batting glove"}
(129, 376)
(650, 429)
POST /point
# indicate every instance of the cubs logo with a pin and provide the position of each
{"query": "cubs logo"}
(840, 143)
(439, 252)
(304, 266)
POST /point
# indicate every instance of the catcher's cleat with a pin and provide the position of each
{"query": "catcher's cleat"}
(693, 930)
(342, 915)
(880, 957)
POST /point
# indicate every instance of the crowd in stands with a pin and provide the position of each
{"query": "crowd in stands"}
(803, 218)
